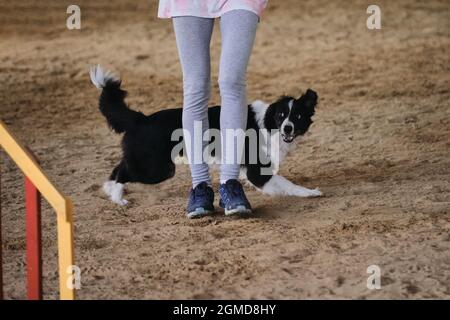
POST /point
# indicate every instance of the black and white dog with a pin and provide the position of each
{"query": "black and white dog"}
(147, 143)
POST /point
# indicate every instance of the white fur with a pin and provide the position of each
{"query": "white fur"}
(284, 148)
(278, 185)
(259, 108)
(99, 77)
(287, 121)
(114, 191)
(107, 187)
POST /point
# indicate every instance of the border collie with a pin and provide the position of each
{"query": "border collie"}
(147, 143)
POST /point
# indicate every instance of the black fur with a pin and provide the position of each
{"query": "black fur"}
(147, 141)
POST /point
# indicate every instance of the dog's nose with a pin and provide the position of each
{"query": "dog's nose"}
(288, 129)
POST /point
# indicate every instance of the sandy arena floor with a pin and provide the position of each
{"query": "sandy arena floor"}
(379, 149)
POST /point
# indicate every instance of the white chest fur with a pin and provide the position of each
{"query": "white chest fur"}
(279, 150)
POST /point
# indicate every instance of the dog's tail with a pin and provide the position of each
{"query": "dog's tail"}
(112, 101)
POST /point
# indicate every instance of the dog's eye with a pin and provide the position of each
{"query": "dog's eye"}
(299, 117)
(281, 115)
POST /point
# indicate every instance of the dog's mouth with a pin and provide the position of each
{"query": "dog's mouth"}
(287, 138)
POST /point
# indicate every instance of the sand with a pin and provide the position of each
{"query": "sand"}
(379, 149)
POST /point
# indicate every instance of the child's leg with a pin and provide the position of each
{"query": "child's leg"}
(193, 35)
(238, 28)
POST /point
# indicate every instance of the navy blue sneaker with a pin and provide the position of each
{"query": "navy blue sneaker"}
(233, 199)
(201, 201)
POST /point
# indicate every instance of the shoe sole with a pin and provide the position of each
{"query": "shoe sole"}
(240, 210)
(198, 213)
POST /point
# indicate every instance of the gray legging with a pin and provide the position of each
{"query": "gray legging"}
(193, 35)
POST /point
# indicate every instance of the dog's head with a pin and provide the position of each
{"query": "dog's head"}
(291, 116)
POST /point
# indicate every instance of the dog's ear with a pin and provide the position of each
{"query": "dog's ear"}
(309, 99)
(269, 117)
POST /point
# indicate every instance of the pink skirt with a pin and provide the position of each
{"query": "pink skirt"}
(207, 8)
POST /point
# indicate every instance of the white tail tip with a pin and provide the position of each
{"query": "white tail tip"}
(99, 77)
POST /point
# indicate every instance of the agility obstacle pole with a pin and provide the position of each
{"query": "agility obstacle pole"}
(37, 184)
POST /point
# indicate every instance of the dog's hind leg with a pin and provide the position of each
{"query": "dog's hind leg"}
(109, 185)
(113, 175)
(115, 186)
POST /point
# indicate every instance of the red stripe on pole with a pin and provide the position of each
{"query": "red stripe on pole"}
(33, 238)
(1, 254)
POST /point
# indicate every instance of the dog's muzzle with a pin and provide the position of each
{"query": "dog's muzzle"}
(288, 132)
(287, 138)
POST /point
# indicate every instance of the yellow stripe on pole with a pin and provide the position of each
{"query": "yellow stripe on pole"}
(62, 205)
(30, 168)
(66, 252)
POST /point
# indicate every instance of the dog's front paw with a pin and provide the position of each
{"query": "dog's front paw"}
(120, 202)
(309, 193)
(316, 193)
